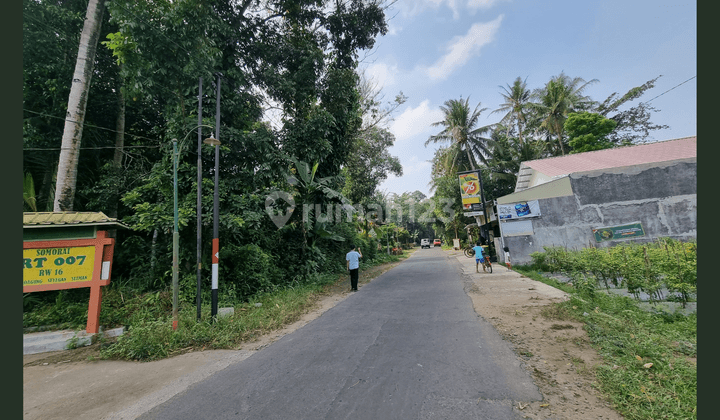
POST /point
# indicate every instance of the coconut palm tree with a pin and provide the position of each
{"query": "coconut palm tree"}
(560, 96)
(517, 98)
(461, 131)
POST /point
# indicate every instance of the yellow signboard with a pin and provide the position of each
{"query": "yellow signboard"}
(470, 186)
(58, 265)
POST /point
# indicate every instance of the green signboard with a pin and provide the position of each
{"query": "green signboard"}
(614, 233)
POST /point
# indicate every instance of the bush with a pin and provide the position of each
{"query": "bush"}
(247, 270)
(641, 268)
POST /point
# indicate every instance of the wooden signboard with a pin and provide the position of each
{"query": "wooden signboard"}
(67, 264)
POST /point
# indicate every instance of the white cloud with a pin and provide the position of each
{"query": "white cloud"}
(381, 74)
(415, 7)
(416, 177)
(463, 48)
(481, 4)
(414, 121)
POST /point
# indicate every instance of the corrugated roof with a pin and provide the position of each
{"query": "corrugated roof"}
(68, 218)
(661, 151)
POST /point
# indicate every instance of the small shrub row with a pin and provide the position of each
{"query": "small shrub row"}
(646, 268)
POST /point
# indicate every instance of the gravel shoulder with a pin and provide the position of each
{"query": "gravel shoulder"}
(557, 353)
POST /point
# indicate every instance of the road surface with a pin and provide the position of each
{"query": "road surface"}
(408, 345)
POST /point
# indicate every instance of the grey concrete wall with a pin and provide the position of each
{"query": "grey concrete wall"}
(663, 198)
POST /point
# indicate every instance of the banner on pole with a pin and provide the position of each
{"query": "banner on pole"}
(470, 191)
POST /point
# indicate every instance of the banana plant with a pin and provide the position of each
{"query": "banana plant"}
(312, 190)
(29, 192)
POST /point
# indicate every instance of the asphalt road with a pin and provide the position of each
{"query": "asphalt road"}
(408, 345)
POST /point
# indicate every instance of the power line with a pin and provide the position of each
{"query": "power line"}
(89, 148)
(671, 88)
(86, 125)
(93, 126)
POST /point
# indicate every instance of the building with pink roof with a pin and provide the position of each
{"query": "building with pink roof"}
(601, 198)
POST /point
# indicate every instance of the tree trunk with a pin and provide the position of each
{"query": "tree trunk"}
(153, 251)
(77, 102)
(470, 158)
(117, 158)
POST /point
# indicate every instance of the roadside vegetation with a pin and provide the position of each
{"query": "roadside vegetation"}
(650, 357)
(326, 149)
(148, 321)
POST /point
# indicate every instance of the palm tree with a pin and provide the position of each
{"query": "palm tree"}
(560, 96)
(461, 132)
(508, 154)
(515, 106)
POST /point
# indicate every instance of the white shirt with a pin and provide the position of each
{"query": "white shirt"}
(354, 259)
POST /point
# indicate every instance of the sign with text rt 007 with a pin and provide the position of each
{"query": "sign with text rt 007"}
(58, 265)
(68, 264)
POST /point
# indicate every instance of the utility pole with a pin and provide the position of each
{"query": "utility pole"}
(199, 203)
(216, 211)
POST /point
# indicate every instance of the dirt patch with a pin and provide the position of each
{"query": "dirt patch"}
(555, 351)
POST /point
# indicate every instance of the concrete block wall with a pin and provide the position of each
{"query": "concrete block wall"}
(663, 197)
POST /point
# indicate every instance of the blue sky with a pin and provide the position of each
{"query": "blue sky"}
(437, 50)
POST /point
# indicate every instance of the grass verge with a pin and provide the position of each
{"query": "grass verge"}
(650, 359)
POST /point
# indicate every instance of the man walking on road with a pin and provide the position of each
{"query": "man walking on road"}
(353, 265)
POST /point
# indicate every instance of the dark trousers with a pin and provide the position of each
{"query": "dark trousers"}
(354, 278)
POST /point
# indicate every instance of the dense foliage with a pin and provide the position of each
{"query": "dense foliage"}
(297, 127)
(304, 137)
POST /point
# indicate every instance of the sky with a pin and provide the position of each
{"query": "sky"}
(437, 50)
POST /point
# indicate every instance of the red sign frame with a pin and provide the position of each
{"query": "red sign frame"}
(104, 247)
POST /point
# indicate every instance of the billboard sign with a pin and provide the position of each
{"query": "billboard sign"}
(613, 233)
(519, 210)
(470, 190)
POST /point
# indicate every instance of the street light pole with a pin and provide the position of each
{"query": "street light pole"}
(199, 203)
(176, 237)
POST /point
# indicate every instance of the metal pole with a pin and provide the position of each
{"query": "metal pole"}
(485, 213)
(176, 238)
(216, 211)
(199, 203)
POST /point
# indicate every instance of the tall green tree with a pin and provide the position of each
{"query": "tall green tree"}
(633, 124)
(588, 131)
(515, 106)
(504, 164)
(368, 164)
(461, 131)
(559, 97)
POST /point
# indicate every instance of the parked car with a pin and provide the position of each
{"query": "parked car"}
(424, 243)
(437, 242)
